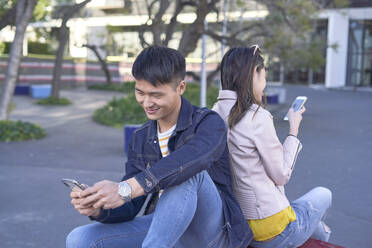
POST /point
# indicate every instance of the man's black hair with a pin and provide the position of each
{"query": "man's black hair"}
(159, 65)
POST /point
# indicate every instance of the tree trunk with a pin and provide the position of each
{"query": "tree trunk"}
(101, 61)
(25, 9)
(57, 71)
(310, 76)
(193, 33)
(63, 38)
(282, 73)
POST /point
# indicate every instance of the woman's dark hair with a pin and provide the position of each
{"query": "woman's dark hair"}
(237, 68)
(159, 65)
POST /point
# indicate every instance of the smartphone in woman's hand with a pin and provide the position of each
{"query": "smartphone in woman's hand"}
(297, 104)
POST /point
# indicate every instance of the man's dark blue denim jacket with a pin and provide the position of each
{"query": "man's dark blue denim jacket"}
(198, 143)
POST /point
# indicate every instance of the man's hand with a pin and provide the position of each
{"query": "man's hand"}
(76, 200)
(103, 194)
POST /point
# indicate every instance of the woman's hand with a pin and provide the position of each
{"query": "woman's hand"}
(295, 118)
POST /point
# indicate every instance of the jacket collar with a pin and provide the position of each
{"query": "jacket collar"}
(231, 95)
(184, 120)
(227, 95)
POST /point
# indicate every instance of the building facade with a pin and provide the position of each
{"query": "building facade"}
(350, 29)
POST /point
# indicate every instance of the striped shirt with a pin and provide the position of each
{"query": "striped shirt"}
(163, 140)
(163, 143)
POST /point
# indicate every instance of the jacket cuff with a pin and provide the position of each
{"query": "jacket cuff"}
(105, 213)
(295, 140)
(148, 181)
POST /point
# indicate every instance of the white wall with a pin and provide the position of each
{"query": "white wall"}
(338, 33)
(338, 30)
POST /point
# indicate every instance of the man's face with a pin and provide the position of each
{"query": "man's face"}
(161, 101)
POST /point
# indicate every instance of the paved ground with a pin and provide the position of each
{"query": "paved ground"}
(35, 209)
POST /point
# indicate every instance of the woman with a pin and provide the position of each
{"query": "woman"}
(260, 164)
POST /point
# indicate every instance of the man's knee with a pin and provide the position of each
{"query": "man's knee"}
(80, 237)
(200, 177)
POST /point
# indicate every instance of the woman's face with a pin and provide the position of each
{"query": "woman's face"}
(259, 83)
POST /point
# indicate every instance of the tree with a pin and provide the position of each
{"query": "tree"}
(283, 32)
(102, 61)
(24, 11)
(69, 12)
(8, 11)
(159, 28)
(8, 17)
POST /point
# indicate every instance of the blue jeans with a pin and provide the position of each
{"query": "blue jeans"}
(187, 215)
(310, 210)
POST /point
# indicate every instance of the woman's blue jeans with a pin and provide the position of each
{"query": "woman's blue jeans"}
(310, 210)
(187, 215)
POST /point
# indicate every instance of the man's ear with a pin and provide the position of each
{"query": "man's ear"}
(181, 87)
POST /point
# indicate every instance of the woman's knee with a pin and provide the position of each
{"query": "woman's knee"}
(325, 195)
(321, 198)
(80, 237)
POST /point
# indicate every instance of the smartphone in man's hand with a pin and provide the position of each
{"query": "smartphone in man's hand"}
(71, 183)
(297, 104)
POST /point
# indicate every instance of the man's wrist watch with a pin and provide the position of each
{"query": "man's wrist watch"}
(125, 191)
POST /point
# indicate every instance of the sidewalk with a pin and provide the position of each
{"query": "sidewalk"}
(35, 209)
(36, 212)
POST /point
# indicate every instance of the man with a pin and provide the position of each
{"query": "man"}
(180, 152)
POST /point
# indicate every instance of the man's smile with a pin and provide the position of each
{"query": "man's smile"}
(151, 111)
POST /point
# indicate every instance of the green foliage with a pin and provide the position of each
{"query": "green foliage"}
(54, 101)
(289, 32)
(2, 47)
(5, 47)
(126, 110)
(121, 111)
(40, 48)
(192, 94)
(18, 131)
(40, 11)
(340, 3)
(126, 87)
(5, 5)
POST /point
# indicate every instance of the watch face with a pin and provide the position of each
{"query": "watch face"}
(124, 189)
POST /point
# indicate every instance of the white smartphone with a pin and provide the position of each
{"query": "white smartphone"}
(297, 104)
(71, 183)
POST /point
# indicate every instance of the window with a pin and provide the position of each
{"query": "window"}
(359, 66)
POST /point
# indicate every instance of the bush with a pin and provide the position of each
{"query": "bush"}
(40, 48)
(119, 112)
(18, 131)
(5, 47)
(2, 47)
(54, 101)
(192, 94)
(126, 87)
